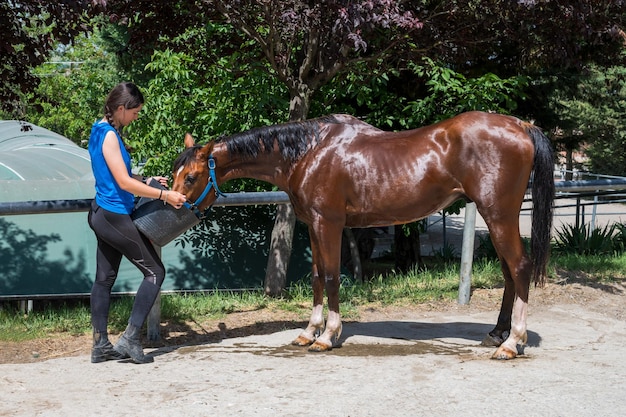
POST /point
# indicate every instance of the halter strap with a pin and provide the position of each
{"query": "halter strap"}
(212, 183)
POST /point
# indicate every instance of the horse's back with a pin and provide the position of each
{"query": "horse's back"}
(376, 175)
(349, 128)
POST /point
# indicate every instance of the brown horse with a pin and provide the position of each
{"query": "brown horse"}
(341, 172)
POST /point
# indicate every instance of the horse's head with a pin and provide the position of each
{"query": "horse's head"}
(194, 174)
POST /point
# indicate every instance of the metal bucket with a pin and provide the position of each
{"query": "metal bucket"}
(161, 223)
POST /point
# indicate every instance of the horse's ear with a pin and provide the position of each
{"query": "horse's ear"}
(189, 140)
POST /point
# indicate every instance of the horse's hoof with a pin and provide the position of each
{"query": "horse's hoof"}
(319, 347)
(504, 353)
(301, 341)
(492, 341)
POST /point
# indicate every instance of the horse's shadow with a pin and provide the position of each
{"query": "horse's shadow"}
(425, 331)
(393, 330)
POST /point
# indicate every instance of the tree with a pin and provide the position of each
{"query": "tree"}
(72, 86)
(309, 43)
(519, 37)
(592, 115)
(29, 30)
(208, 99)
(306, 45)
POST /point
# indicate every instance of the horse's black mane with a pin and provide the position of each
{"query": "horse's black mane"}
(186, 156)
(293, 139)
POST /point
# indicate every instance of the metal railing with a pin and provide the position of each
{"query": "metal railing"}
(69, 206)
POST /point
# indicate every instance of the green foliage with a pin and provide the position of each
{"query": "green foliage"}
(27, 33)
(381, 95)
(485, 249)
(73, 85)
(619, 239)
(603, 120)
(451, 93)
(365, 90)
(204, 97)
(583, 240)
(446, 253)
(587, 110)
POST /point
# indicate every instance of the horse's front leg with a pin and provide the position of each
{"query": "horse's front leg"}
(332, 332)
(328, 242)
(316, 322)
(326, 250)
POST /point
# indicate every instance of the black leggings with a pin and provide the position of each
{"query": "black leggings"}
(117, 236)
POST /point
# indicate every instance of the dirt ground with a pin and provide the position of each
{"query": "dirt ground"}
(421, 360)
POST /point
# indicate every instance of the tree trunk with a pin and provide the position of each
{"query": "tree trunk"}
(569, 164)
(282, 234)
(407, 249)
(280, 250)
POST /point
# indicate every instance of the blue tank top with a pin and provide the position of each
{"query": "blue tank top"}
(109, 195)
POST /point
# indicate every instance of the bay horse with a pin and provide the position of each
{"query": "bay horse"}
(339, 171)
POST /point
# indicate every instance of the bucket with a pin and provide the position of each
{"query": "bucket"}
(161, 223)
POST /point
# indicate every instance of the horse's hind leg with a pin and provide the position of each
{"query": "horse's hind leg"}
(503, 327)
(516, 267)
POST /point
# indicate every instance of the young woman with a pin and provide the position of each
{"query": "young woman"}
(109, 217)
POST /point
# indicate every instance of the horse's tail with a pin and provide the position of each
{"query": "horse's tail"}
(542, 185)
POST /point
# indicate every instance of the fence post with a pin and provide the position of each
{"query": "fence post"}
(154, 317)
(467, 253)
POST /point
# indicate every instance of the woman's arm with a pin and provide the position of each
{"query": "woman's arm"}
(113, 157)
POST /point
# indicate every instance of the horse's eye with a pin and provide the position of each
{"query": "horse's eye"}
(190, 179)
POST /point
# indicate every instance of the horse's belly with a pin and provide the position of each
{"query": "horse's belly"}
(395, 210)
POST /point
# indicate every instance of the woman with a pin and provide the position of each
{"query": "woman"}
(109, 217)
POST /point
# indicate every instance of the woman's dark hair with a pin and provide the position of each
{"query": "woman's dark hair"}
(124, 94)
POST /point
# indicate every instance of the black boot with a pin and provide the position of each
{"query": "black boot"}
(130, 345)
(103, 350)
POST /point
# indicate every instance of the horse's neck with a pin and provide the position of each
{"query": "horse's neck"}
(268, 167)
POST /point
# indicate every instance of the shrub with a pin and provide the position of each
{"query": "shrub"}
(584, 241)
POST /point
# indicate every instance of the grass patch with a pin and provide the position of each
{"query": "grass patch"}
(590, 268)
(438, 281)
(65, 318)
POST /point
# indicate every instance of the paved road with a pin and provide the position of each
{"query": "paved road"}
(565, 213)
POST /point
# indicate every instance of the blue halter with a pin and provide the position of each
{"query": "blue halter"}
(212, 183)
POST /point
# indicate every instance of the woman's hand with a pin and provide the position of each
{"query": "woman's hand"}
(174, 198)
(161, 180)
